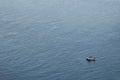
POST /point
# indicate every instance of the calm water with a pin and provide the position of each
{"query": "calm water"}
(50, 39)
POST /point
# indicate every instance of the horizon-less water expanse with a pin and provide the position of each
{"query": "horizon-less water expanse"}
(50, 39)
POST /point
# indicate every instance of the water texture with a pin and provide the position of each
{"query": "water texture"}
(50, 39)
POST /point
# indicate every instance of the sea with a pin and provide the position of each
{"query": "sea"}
(50, 39)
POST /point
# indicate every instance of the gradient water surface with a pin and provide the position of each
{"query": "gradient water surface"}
(50, 39)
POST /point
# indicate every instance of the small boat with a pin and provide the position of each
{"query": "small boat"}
(90, 58)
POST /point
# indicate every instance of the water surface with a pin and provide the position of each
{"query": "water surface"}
(50, 39)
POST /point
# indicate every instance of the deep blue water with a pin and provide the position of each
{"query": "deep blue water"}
(50, 39)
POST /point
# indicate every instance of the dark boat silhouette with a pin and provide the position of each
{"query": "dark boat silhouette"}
(90, 58)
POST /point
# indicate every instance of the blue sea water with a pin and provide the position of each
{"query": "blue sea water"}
(50, 39)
